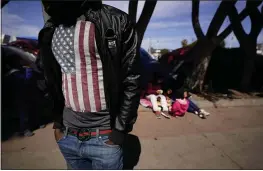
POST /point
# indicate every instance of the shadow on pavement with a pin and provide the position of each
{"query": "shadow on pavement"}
(9, 127)
(11, 122)
(131, 152)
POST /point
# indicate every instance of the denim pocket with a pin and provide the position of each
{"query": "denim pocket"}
(104, 139)
(62, 139)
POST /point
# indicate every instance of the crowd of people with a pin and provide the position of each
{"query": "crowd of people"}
(169, 102)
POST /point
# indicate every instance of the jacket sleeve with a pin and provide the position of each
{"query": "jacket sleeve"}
(130, 96)
(47, 64)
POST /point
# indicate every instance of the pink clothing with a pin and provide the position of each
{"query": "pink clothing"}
(146, 103)
(179, 107)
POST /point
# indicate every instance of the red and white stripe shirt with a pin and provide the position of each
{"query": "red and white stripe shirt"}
(82, 74)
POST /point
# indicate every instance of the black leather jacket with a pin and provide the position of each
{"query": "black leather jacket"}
(121, 71)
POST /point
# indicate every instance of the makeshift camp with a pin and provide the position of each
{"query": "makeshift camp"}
(175, 66)
(167, 67)
(149, 66)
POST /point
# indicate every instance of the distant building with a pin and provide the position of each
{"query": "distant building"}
(157, 54)
(7, 39)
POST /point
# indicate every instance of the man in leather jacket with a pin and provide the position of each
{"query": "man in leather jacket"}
(90, 59)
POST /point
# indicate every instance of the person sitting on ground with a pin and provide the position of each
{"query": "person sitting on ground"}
(180, 105)
(153, 93)
(193, 108)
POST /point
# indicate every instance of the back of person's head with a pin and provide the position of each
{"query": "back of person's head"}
(65, 11)
(181, 93)
(62, 11)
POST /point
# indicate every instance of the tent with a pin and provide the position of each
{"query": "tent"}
(175, 66)
(149, 66)
(168, 66)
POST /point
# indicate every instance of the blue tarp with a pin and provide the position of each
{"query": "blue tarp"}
(149, 66)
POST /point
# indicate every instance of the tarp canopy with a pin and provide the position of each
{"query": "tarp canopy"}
(149, 66)
(169, 67)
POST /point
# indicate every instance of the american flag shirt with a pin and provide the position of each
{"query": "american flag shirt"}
(75, 50)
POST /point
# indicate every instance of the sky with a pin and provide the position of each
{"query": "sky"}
(169, 25)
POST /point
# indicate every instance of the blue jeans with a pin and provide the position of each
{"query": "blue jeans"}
(192, 107)
(91, 154)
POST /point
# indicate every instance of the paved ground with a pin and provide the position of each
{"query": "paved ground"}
(231, 138)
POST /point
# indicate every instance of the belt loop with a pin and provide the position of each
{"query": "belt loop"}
(97, 133)
(66, 132)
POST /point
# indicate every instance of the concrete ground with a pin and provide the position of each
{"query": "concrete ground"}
(231, 138)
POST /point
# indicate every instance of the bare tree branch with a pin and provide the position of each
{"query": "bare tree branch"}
(145, 17)
(244, 13)
(195, 19)
(218, 18)
(228, 30)
(3, 3)
(236, 23)
(253, 4)
(202, 54)
(133, 5)
(255, 17)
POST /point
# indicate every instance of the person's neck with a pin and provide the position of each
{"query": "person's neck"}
(95, 5)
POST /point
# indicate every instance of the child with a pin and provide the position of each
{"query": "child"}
(192, 108)
(153, 93)
(180, 105)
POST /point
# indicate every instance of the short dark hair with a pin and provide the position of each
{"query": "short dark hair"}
(179, 93)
